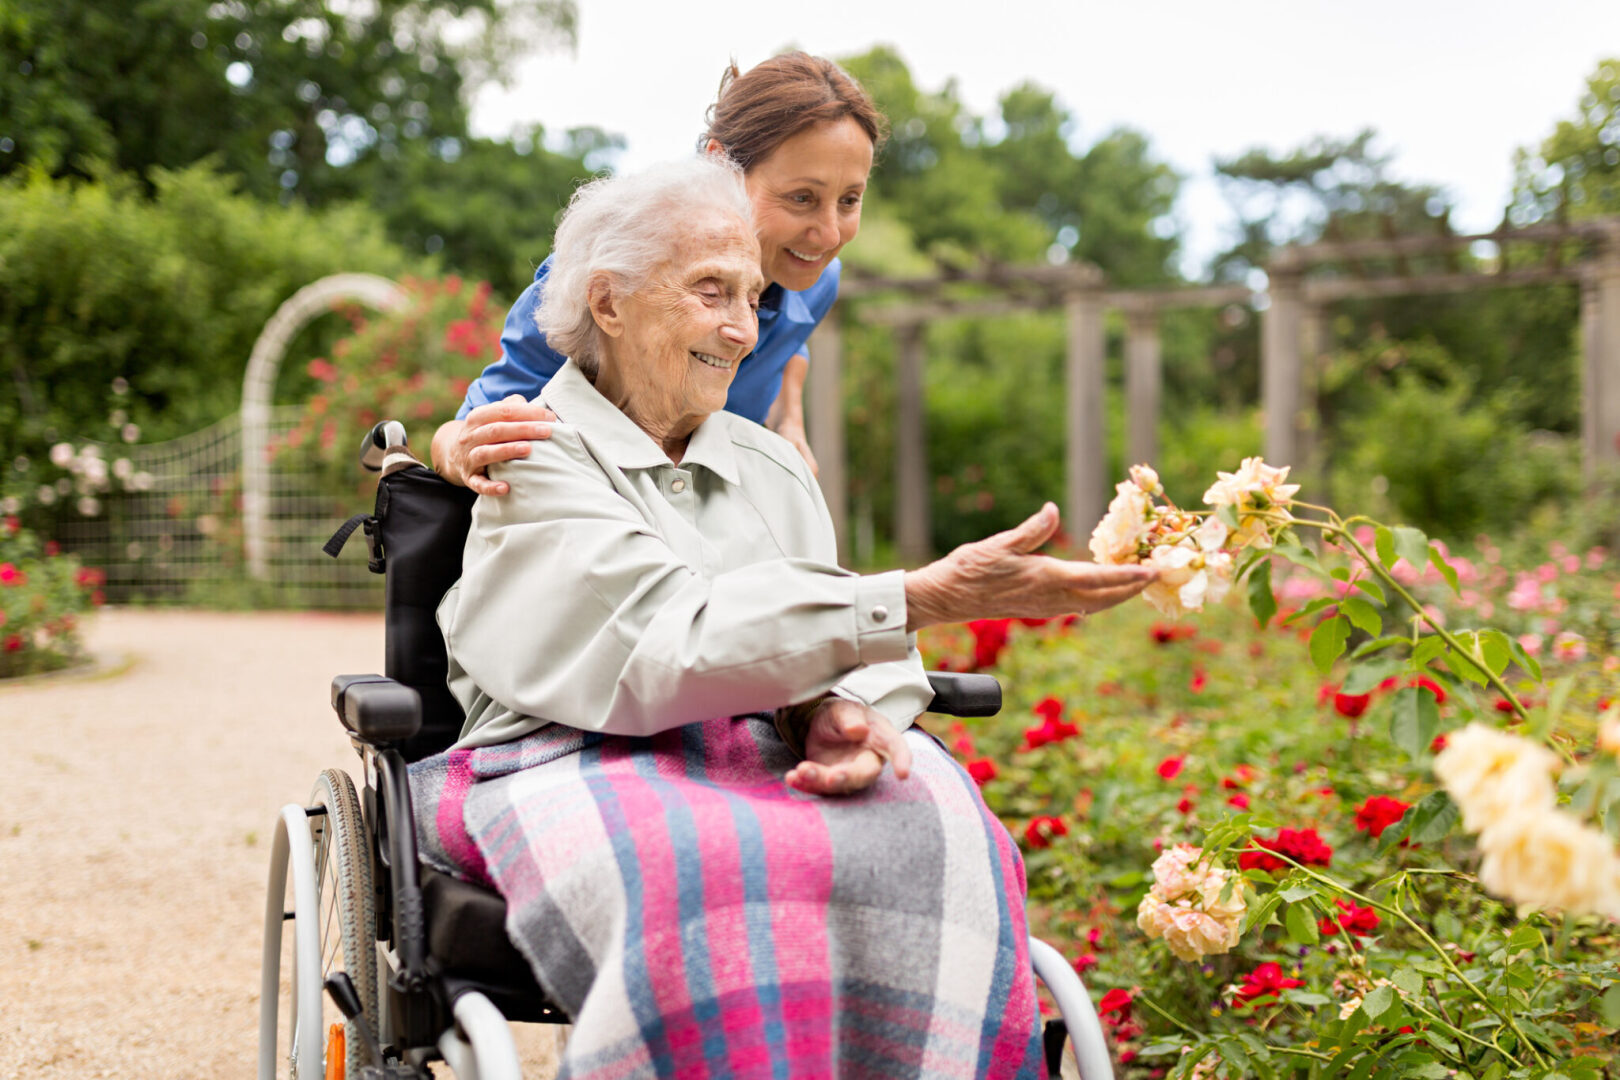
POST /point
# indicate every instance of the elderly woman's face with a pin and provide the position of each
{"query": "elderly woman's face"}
(687, 328)
(807, 200)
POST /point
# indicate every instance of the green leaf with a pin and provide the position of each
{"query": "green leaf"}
(1427, 650)
(1415, 720)
(1367, 648)
(1445, 569)
(1227, 515)
(1440, 1042)
(1384, 544)
(1413, 546)
(1310, 609)
(1372, 589)
(1408, 982)
(1610, 1005)
(1525, 937)
(1340, 573)
(1301, 923)
(1378, 1001)
(1299, 555)
(1261, 600)
(1298, 891)
(1428, 1070)
(1496, 650)
(1362, 614)
(1259, 915)
(1460, 665)
(1431, 819)
(1327, 642)
(1529, 663)
(1364, 677)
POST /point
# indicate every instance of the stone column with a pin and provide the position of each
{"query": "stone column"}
(1600, 325)
(825, 422)
(911, 488)
(1142, 387)
(1086, 495)
(1280, 366)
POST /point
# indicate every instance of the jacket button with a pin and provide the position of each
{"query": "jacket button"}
(678, 485)
(880, 613)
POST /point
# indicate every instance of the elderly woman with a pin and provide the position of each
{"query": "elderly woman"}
(688, 762)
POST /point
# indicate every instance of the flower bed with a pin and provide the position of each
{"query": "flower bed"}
(1237, 827)
(42, 596)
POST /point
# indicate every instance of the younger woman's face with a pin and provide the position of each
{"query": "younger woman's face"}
(807, 200)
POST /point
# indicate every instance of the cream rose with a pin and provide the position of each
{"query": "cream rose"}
(1492, 774)
(1551, 859)
(1118, 536)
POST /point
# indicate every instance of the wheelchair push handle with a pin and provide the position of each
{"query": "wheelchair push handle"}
(384, 436)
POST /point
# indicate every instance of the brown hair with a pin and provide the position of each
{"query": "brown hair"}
(780, 97)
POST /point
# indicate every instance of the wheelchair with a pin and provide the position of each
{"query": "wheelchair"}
(395, 964)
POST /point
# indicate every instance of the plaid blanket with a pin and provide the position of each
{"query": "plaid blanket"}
(697, 917)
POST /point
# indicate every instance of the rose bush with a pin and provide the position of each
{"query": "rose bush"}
(413, 365)
(43, 594)
(1397, 918)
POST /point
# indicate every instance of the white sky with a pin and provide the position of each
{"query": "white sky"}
(1452, 87)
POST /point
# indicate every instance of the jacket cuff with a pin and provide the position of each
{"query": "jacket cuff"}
(880, 617)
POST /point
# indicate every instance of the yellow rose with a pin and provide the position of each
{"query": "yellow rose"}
(1552, 859)
(1491, 774)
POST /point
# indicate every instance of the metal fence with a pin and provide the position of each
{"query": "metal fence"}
(171, 530)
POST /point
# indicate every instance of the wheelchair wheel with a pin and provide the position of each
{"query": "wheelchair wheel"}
(346, 915)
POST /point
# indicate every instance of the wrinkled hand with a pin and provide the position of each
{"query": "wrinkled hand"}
(794, 433)
(845, 749)
(1002, 577)
(499, 431)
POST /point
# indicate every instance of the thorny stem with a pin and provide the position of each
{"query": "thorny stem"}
(1434, 946)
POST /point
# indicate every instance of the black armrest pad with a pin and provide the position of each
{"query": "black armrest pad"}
(376, 709)
(961, 694)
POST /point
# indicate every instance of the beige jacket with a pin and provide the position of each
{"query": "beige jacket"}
(611, 590)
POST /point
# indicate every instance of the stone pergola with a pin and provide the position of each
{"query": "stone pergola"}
(1304, 281)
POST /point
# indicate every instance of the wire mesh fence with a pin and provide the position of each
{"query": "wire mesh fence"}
(170, 532)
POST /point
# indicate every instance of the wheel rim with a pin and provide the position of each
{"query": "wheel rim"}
(343, 896)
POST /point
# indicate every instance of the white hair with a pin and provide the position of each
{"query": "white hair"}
(625, 226)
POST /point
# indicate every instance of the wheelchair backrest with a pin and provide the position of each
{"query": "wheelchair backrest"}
(421, 525)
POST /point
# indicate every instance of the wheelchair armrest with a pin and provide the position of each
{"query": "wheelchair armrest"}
(962, 694)
(375, 709)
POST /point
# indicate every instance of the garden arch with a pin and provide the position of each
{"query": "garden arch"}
(259, 384)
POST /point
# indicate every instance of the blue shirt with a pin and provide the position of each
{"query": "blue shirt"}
(786, 318)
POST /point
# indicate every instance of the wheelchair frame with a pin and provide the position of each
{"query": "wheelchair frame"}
(358, 849)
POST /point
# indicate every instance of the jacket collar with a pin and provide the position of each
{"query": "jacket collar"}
(779, 302)
(575, 401)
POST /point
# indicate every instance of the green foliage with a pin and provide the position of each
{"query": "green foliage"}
(42, 595)
(1014, 187)
(286, 93)
(1575, 173)
(1448, 459)
(411, 365)
(114, 303)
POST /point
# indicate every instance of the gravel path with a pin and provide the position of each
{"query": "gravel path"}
(136, 810)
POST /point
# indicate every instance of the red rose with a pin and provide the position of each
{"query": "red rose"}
(1115, 1001)
(1185, 805)
(1239, 778)
(1085, 962)
(1040, 831)
(14, 643)
(1432, 687)
(1240, 800)
(1351, 705)
(1200, 679)
(983, 771)
(1303, 846)
(1438, 743)
(1170, 767)
(1378, 813)
(1360, 921)
(1267, 980)
(10, 575)
(989, 638)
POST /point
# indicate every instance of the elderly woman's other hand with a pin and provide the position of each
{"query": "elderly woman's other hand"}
(1001, 576)
(463, 450)
(845, 747)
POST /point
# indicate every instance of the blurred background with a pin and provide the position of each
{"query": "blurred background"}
(172, 172)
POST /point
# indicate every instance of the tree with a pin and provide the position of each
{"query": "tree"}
(1576, 171)
(285, 93)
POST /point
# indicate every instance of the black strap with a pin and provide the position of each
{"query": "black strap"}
(346, 530)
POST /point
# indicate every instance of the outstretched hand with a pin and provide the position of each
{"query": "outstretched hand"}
(845, 748)
(1001, 576)
(500, 431)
